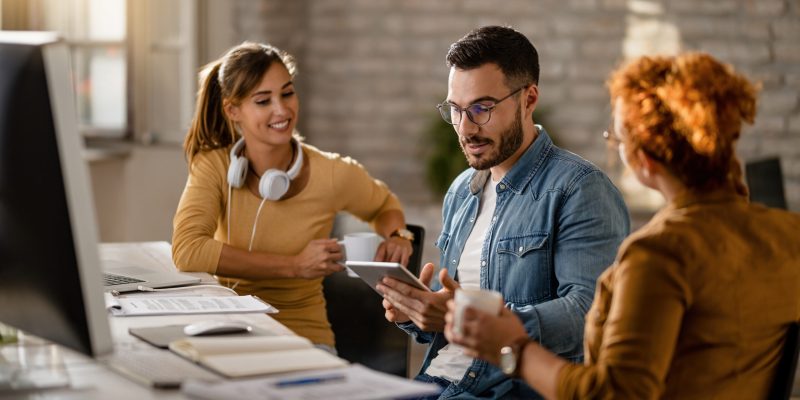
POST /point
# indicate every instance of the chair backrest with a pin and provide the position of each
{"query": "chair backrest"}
(787, 366)
(363, 335)
(765, 181)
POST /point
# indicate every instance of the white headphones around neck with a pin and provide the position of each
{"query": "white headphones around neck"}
(274, 183)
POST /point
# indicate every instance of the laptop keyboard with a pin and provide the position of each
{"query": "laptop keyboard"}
(158, 368)
(113, 280)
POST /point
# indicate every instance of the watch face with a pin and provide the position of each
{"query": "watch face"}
(508, 360)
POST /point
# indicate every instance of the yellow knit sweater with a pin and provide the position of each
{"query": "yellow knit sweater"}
(284, 227)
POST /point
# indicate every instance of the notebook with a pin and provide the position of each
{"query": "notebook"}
(126, 266)
(258, 355)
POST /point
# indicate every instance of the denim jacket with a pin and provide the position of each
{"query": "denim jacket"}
(556, 226)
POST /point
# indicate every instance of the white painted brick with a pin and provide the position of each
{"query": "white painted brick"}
(537, 30)
(787, 29)
(793, 79)
(705, 26)
(615, 5)
(738, 52)
(794, 124)
(786, 147)
(551, 70)
(697, 7)
(594, 26)
(583, 5)
(765, 75)
(769, 124)
(601, 49)
(587, 72)
(439, 6)
(758, 30)
(589, 91)
(791, 168)
(556, 48)
(769, 8)
(777, 102)
(787, 52)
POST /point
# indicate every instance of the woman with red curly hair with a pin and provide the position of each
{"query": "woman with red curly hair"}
(698, 302)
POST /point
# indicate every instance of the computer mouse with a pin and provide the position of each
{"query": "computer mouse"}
(203, 328)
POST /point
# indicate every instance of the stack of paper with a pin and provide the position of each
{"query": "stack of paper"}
(162, 305)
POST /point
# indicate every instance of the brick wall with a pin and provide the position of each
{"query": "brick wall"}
(373, 70)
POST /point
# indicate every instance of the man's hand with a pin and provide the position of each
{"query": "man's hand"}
(425, 309)
(319, 258)
(483, 334)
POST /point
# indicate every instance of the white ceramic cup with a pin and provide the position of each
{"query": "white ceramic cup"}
(488, 301)
(359, 246)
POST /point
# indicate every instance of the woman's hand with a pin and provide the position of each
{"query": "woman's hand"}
(319, 258)
(483, 334)
(394, 249)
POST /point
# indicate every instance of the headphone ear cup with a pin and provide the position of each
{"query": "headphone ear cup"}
(237, 171)
(273, 184)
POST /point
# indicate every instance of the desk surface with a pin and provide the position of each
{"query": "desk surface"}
(91, 379)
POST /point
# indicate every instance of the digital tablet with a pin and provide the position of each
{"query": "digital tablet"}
(372, 272)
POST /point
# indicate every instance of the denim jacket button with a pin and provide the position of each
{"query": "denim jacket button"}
(472, 220)
(472, 374)
(483, 263)
(453, 261)
(502, 186)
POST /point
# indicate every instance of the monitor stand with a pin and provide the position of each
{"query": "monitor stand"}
(30, 364)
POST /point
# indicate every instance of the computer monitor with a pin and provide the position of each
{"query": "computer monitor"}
(50, 276)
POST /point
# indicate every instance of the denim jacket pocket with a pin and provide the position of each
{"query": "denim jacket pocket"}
(525, 265)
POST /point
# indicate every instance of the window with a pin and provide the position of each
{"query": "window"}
(95, 31)
(134, 61)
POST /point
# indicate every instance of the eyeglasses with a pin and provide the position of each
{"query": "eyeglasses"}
(479, 114)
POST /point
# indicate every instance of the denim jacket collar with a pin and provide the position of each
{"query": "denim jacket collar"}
(523, 170)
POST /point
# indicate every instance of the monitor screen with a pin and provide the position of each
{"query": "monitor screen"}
(50, 279)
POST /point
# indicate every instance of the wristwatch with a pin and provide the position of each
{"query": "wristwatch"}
(403, 233)
(511, 355)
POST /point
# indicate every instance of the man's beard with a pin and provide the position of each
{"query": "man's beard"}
(510, 142)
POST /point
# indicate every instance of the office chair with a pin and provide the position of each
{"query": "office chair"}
(363, 335)
(787, 366)
(765, 181)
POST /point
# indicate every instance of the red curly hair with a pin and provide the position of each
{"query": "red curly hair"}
(686, 112)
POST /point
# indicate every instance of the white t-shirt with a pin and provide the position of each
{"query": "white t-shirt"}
(451, 363)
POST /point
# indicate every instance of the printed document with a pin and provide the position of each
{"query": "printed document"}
(162, 305)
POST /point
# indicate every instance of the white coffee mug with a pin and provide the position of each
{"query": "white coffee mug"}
(359, 246)
(486, 300)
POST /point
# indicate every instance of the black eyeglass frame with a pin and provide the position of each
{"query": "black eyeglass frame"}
(446, 109)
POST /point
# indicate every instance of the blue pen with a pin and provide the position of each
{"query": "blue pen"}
(309, 381)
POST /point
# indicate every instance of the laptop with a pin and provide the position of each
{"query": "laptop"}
(126, 266)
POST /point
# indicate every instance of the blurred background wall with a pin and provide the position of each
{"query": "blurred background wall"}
(372, 71)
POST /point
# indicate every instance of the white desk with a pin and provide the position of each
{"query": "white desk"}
(92, 380)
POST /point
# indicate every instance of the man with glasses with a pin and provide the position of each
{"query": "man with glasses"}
(528, 219)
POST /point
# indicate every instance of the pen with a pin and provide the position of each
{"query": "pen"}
(309, 381)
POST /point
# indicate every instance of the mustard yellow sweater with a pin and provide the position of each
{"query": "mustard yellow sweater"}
(696, 306)
(284, 227)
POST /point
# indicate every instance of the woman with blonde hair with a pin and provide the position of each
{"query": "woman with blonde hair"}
(259, 204)
(699, 301)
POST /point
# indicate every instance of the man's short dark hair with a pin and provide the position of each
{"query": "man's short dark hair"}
(504, 46)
